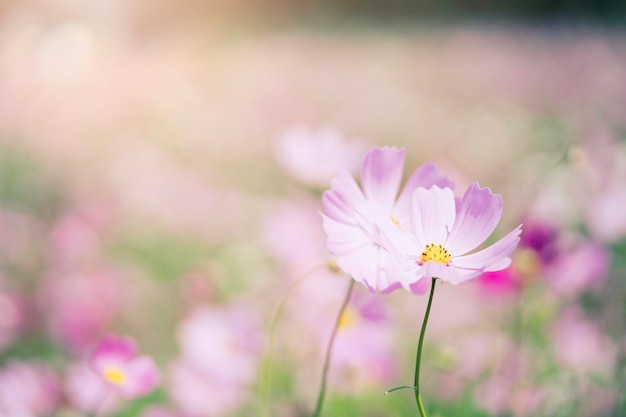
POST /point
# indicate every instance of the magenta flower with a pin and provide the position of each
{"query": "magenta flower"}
(115, 360)
(357, 253)
(444, 231)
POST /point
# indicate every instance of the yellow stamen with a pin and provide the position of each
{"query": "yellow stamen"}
(114, 375)
(394, 220)
(436, 253)
(348, 318)
(332, 265)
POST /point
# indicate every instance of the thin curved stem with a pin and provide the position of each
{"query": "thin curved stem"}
(320, 398)
(265, 380)
(418, 359)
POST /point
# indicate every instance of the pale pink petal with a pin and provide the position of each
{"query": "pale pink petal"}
(420, 286)
(142, 377)
(343, 238)
(372, 266)
(425, 176)
(363, 265)
(392, 285)
(413, 279)
(371, 263)
(386, 277)
(432, 215)
(432, 269)
(478, 215)
(492, 258)
(447, 273)
(339, 202)
(381, 175)
(380, 229)
(391, 272)
(464, 275)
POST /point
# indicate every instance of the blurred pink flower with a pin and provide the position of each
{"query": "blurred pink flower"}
(80, 306)
(606, 216)
(314, 157)
(541, 237)
(295, 220)
(76, 237)
(568, 263)
(358, 253)
(28, 390)
(578, 269)
(444, 230)
(12, 317)
(87, 392)
(220, 351)
(579, 343)
(500, 283)
(509, 387)
(116, 361)
(160, 412)
(201, 394)
(500, 396)
(363, 353)
(224, 342)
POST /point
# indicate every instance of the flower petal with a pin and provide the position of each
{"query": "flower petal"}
(420, 286)
(477, 217)
(433, 269)
(425, 177)
(379, 227)
(432, 215)
(343, 238)
(413, 280)
(390, 274)
(368, 266)
(142, 377)
(492, 258)
(344, 195)
(112, 350)
(381, 175)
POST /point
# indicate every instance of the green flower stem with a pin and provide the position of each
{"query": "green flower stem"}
(320, 398)
(418, 359)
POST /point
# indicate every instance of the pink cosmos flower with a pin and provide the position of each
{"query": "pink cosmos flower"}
(87, 392)
(220, 351)
(363, 353)
(580, 344)
(444, 231)
(381, 174)
(314, 157)
(201, 394)
(80, 306)
(115, 360)
(578, 269)
(28, 389)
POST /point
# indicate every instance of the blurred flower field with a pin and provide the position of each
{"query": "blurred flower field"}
(167, 188)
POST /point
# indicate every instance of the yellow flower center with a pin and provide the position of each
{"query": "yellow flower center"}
(526, 263)
(348, 318)
(114, 375)
(436, 253)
